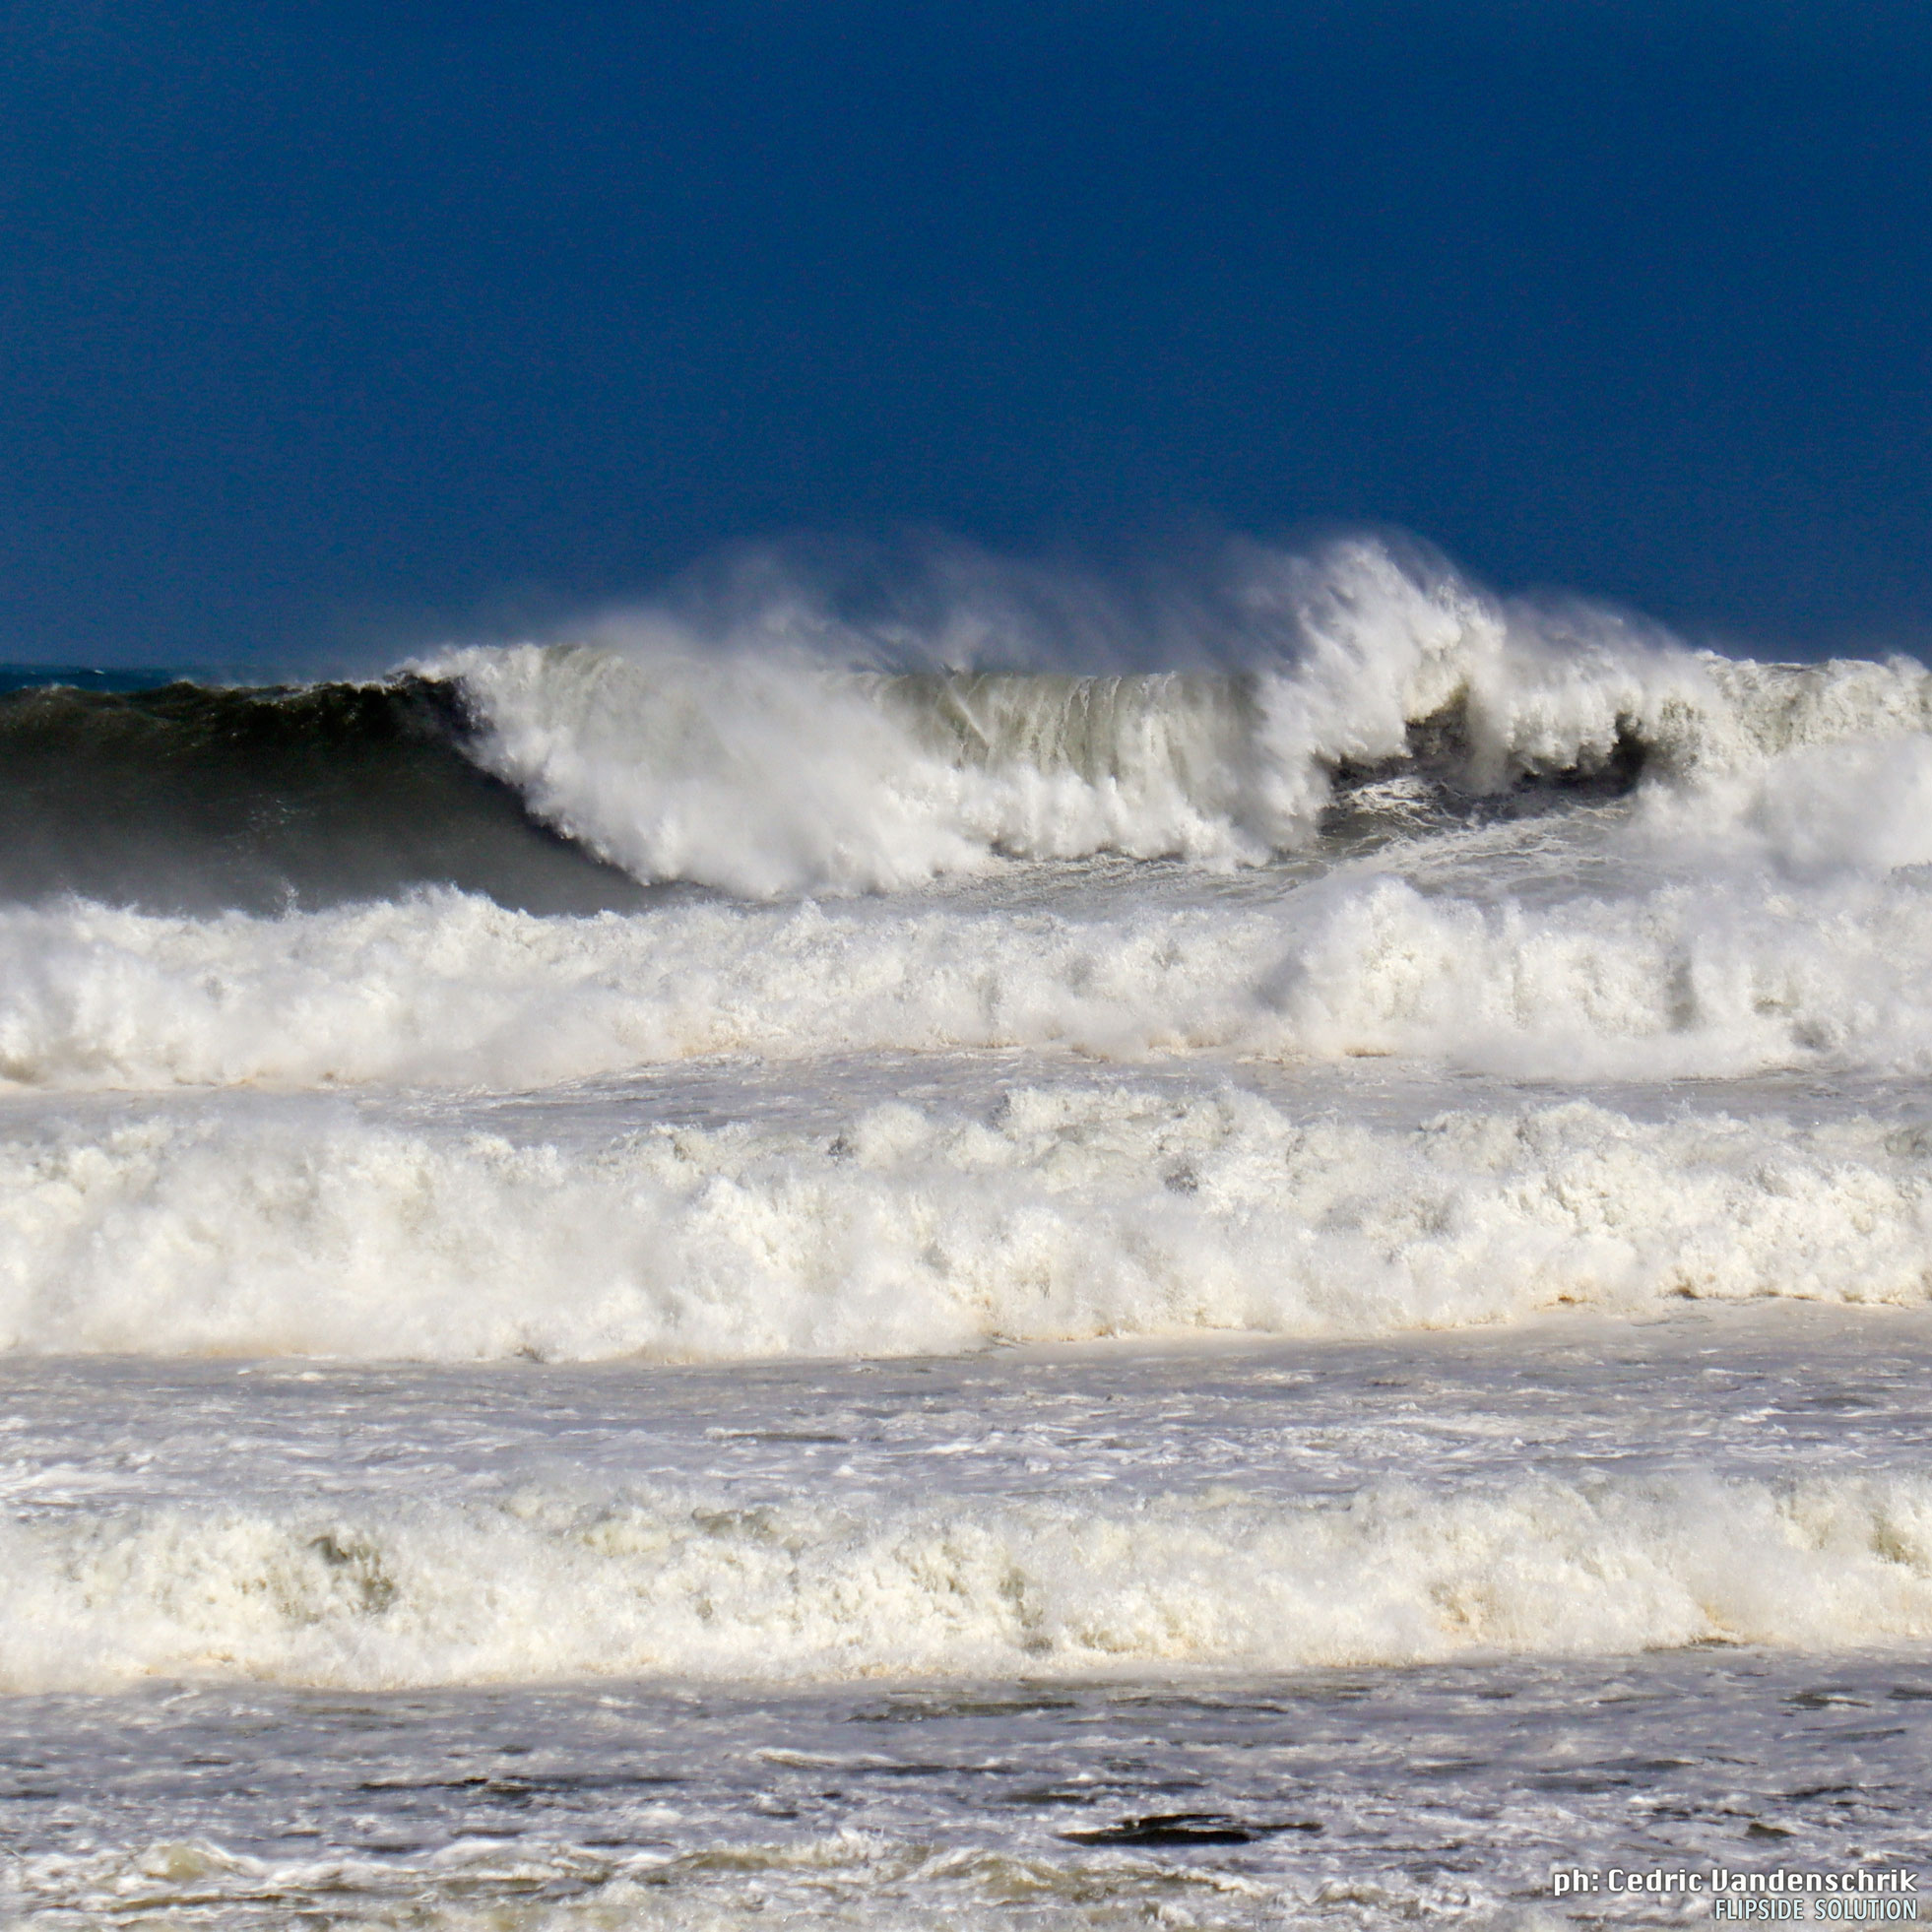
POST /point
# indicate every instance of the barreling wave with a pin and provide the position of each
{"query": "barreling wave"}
(1070, 1216)
(1352, 694)
(751, 763)
(371, 1594)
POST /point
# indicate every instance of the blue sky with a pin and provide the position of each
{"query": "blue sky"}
(321, 322)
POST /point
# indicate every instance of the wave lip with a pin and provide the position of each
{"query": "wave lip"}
(754, 763)
(663, 1583)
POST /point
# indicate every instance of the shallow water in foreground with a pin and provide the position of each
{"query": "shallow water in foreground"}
(1439, 1795)
(1225, 1635)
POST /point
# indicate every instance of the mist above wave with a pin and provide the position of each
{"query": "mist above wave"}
(777, 751)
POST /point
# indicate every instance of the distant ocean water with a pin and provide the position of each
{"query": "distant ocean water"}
(84, 677)
(707, 1282)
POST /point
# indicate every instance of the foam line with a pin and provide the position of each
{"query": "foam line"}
(545, 1585)
(1074, 1214)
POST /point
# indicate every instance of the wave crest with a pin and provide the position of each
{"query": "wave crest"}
(692, 1586)
(752, 761)
(1070, 1216)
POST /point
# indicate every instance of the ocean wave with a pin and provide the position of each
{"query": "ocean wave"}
(1073, 1213)
(747, 761)
(189, 799)
(1702, 975)
(542, 1585)
(1315, 703)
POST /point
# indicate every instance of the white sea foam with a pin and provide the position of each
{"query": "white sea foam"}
(1859, 805)
(1696, 978)
(1702, 974)
(752, 761)
(545, 1583)
(1074, 1213)
(846, 1879)
(1763, 903)
(454, 990)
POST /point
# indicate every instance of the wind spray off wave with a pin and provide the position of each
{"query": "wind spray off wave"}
(764, 769)
(1305, 706)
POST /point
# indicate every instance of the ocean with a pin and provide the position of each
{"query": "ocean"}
(970, 1273)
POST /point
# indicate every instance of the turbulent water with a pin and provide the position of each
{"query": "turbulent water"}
(784, 1272)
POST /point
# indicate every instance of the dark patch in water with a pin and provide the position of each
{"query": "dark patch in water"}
(190, 800)
(1185, 1828)
(1439, 787)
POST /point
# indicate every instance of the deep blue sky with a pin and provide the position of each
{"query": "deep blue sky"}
(317, 317)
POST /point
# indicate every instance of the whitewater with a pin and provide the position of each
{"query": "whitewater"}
(1250, 1252)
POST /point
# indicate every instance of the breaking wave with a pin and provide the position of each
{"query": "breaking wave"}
(694, 1585)
(778, 753)
(1702, 975)
(751, 763)
(1069, 1214)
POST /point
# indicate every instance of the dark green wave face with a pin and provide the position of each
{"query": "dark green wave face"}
(184, 798)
